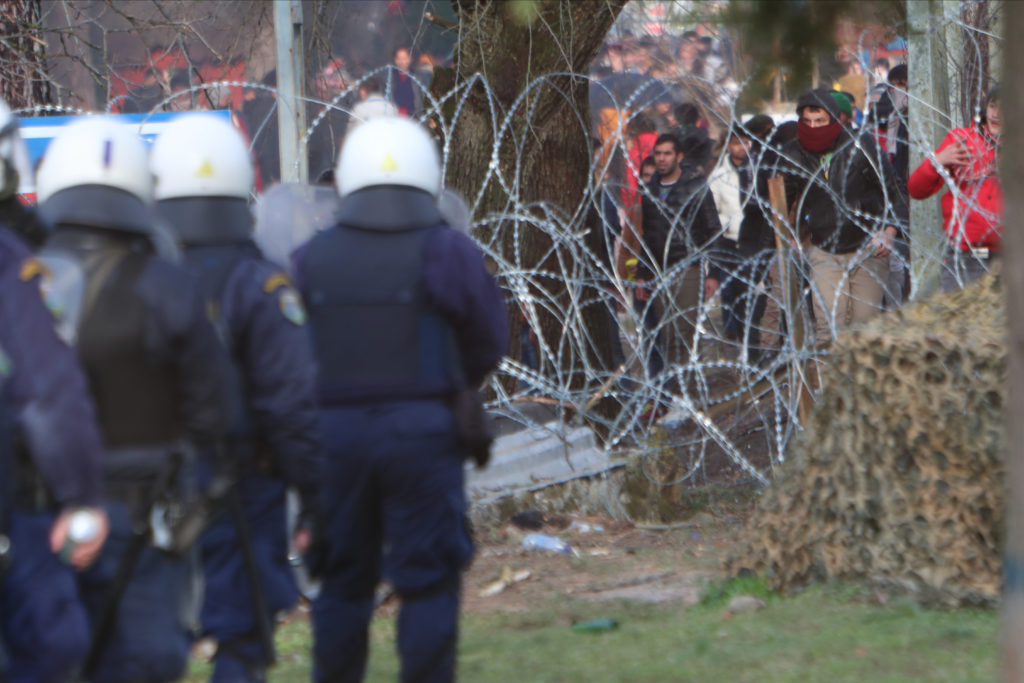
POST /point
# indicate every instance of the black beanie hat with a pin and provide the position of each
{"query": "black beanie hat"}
(819, 97)
(760, 126)
(898, 72)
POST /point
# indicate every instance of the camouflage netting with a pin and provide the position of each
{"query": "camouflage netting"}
(898, 477)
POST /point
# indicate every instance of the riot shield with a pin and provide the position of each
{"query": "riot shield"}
(63, 290)
(288, 215)
(454, 210)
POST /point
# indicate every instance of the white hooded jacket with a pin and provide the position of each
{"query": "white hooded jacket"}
(724, 182)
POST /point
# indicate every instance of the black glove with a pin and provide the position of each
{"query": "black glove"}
(473, 425)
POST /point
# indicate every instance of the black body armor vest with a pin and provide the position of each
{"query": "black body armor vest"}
(374, 333)
(137, 399)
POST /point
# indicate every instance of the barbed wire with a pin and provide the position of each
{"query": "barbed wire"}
(736, 399)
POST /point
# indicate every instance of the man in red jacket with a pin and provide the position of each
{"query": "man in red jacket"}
(967, 162)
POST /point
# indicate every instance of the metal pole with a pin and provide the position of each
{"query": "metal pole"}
(996, 45)
(928, 123)
(291, 109)
(952, 13)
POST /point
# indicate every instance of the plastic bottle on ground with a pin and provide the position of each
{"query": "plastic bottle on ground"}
(545, 542)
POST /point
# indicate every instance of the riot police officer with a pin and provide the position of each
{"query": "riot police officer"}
(203, 179)
(155, 370)
(50, 478)
(403, 314)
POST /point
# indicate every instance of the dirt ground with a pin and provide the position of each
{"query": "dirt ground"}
(608, 560)
(669, 563)
(615, 560)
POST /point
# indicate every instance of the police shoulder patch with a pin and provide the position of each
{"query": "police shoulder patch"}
(291, 306)
(275, 282)
(30, 268)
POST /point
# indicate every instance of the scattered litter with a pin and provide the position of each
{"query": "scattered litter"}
(599, 552)
(508, 577)
(545, 542)
(493, 588)
(595, 625)
(584, 527)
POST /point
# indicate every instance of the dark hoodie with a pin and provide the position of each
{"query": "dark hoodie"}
(844, 194)
(819, 97)
(682, 223)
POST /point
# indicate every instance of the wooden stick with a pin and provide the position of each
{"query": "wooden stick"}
(785, 239)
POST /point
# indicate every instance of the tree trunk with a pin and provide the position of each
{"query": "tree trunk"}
(1011, 173)
(25, 83)
(522, 101)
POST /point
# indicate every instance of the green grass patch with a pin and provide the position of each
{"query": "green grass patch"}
(820, 635)
(719, 594)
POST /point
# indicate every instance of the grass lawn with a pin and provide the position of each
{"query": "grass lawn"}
(824, 634)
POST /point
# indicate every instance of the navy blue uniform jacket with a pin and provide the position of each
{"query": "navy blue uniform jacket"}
(45, 384)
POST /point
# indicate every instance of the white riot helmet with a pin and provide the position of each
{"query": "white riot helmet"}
(388, 150)
(200, 155)
(14, 166)
(95, 151)
(95, 173)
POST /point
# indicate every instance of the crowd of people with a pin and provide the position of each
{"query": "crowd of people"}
(163, 384)
(336, 96)
(338, 101)
(696, 217)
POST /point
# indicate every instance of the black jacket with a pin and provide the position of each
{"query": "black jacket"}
(845, 195)
(757, 230)
(684, 223)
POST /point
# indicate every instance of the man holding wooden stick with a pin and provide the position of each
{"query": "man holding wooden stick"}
(848, 207)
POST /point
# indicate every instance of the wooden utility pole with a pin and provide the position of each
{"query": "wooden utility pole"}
(928, 122)
(1012, 176)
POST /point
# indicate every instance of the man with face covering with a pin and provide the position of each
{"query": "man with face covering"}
(848, 206)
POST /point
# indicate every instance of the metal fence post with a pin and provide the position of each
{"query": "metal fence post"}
(291, 109)
(928, 122)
